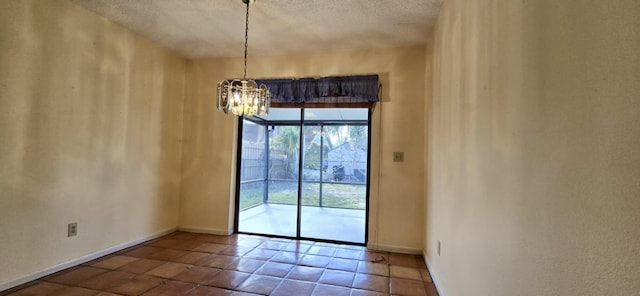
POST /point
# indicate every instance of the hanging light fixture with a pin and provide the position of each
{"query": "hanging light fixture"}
(243, 97)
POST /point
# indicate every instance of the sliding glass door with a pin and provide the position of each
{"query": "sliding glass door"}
(304, 174)
(268, 195)
(334, 170)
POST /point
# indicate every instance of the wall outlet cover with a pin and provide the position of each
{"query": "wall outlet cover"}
(398, 156)
(72, 229)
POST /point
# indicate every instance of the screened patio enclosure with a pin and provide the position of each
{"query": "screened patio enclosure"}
(303, 173)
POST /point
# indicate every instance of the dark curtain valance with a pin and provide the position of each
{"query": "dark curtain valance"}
(334, 90)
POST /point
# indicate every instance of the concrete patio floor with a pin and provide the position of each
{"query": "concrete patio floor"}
(346, 225)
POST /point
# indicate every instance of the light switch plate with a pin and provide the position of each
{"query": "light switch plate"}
(398, 156)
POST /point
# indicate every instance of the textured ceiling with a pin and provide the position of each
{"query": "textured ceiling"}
(215, 28)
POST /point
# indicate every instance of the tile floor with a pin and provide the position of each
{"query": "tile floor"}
(193, 264)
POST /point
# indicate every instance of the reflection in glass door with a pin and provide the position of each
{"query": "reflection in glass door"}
(317, 192)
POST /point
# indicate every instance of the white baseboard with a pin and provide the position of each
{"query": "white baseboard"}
(394, 249)
(206, 230)
(433, 277)
(80, 260)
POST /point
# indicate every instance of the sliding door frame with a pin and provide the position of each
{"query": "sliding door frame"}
(301, 124)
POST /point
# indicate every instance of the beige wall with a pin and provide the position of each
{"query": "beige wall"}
(209, 139)
(533, 160)
(90, 129)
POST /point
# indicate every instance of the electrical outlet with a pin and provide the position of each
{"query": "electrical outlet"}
(72, 229)
(438, 248)
(398, 156)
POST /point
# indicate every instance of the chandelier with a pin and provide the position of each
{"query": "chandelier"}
(243, 97)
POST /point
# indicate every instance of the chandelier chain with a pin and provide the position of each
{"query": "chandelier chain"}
(243, 97)
(246, 41)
